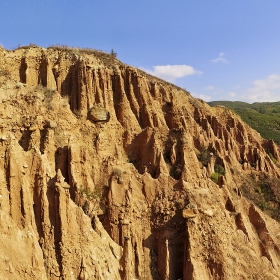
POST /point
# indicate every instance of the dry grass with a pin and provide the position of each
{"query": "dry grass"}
(25, 47)
(107, 58)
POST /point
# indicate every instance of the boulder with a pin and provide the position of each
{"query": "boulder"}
(189, 213)
(98, 114)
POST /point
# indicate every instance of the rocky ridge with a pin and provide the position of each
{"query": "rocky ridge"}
(106, 173)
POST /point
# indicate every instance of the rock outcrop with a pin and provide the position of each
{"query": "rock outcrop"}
(109, 173)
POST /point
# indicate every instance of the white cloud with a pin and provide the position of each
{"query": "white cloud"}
(264, 90)
(220, 58)
(232, 94)
(209, 88)
(206, 98)
(172, 72)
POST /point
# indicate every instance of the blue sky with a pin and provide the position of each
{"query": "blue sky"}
(217, 50)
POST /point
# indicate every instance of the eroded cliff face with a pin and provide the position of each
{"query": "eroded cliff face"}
(101, 178)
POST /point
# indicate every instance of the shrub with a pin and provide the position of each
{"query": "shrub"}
(178, 171)
(93, 197)
(219, 169)
(48, 93)
(215, 177)
(253, 164)
(117, 173)
(274, 160)
(263, 205)
(113, 53)
(258, 190)
(31, 45)
(204, 156)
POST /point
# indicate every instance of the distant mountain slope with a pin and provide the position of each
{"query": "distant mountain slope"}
(263, 117)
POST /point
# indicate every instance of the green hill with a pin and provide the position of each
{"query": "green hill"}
(263, 117)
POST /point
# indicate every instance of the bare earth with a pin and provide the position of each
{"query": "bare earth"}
(100, 177)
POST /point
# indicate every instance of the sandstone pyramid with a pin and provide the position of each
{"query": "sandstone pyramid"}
(109, 173)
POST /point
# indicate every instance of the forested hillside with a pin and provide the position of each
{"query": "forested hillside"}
(263, 117)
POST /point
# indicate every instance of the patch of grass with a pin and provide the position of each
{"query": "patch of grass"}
(215, 177)
(24, 47)
(105, 57)
(48, 93)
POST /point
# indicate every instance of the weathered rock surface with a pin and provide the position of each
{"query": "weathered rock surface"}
(126, 198)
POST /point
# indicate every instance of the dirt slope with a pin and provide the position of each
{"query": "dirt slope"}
(106, 172)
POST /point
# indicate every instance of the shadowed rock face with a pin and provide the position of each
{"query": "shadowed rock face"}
(106, 173)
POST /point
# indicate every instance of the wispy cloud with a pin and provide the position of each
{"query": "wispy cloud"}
(209, 88)
(172, 72)
(204, 97)
(264, 90)
(232, 94)
(220, 58)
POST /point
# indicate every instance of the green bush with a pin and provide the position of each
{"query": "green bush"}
(204, 156)
(274, 160)
(94, 197)
(263, 205)
(258, 190)
(253, 164)
(219, 169)
(215, 177)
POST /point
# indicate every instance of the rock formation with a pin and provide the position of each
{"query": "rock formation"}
(106, 173)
